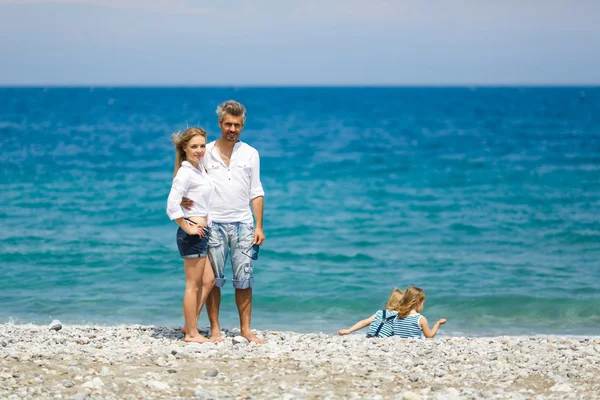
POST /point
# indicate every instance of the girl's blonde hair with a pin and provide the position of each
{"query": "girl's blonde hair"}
(394, 301)
(413, 296)
(181, 140)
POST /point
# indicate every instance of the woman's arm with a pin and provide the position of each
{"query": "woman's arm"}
(357, 326)
(174, 211)
(430, 333)
(178, 190)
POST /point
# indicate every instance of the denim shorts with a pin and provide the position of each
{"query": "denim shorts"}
(192, 246)
(233, 239)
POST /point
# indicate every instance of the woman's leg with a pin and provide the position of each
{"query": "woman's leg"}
(194, 271)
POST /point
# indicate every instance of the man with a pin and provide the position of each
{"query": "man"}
(234, 167)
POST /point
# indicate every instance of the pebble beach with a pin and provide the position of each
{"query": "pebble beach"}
(153, 362)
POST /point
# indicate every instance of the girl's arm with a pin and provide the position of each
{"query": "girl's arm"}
(430, 333)
(357, 326)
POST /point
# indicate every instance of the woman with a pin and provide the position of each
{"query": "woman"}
(192, 181)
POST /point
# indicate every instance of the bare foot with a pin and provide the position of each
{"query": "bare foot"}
(184, 331)
(196, 339)
(251, 337)
(215, 335)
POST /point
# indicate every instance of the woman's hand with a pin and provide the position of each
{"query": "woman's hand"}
(202, 231)
(190, 229)
(442, 321)
(343, 332)
(193, 229)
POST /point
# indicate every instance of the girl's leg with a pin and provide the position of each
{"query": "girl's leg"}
(194, 270)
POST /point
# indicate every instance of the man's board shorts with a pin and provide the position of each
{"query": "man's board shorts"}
(233, 239)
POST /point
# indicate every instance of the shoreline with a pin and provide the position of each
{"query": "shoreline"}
(445, 331)
(137, 361)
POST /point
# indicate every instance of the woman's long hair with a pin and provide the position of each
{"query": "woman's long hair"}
(181, 140)
(394, 301)
(413, 296)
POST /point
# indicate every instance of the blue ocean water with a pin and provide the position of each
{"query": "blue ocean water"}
(488, 198)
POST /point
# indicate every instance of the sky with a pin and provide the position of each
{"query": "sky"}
(307, 42)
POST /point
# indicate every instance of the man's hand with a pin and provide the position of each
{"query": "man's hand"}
(187, 203)
(259, 236)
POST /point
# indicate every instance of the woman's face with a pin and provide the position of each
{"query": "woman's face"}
(194, 151)
(420, 307)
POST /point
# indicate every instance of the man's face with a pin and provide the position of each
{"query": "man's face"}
(231, 127)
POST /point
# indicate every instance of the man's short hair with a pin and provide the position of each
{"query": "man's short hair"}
(232, 108)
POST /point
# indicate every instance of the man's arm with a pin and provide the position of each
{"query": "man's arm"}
(257, 195)
(187, 203)
(257, 209)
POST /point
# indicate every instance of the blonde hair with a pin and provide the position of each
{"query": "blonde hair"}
(394, 301)
(181, 140)
(413, 296)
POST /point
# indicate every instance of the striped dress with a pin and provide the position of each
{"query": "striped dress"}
(382, 324)
(408, 327)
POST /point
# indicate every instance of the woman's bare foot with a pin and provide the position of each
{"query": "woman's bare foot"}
(252, 337)
(196, 339)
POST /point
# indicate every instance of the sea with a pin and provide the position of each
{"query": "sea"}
(487, 198)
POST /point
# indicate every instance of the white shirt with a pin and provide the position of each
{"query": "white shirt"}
(194, 184)
(236, 185)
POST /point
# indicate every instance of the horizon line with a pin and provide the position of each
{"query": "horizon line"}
(299, 86)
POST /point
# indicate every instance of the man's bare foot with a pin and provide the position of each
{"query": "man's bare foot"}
(196, 339)
(252, 337)
(215, 335)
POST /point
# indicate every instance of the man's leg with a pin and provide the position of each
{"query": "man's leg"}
(243, 278)
(213, 303)
(243, 299)
(218, 247)
(208, 283)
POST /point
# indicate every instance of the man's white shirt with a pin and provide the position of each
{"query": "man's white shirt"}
(236, 185)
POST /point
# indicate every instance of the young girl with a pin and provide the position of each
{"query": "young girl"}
(380, 323)
(409, 323)
(192, 181)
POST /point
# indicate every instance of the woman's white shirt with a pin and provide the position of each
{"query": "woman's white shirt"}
(195, 184)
